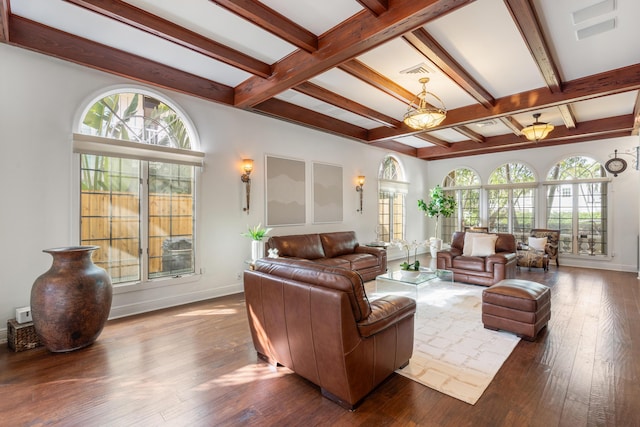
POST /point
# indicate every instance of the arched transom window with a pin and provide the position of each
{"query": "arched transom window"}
(137, 182)
(391, 200)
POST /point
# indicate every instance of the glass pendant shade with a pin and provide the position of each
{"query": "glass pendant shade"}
(537, 130)
(424, 116)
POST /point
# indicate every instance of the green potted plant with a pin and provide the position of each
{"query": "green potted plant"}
(439, 205)
(256, 234)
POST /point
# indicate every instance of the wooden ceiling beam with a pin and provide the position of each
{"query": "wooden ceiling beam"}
(377, 7)
(353, 37)
(472, 135)
(5, 11)
(512, 124)
(433, 140)
(568, 117)
(271, 21)
(527, 22)
(339, 101)
(607, 83)
(636, 115)
(585, 131)
(422, 41)
(361, 71)
(299, 115)
(47, 40)
(167, 30)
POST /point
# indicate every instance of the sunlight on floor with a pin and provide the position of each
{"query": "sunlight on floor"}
(244, 375)
(209, 312)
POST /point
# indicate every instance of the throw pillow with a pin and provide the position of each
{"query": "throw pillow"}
(467, 247)
(484, 246)
(537, 243)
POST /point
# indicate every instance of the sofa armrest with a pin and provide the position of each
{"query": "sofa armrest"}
(499, 258)
(447, 256)
(386, 311)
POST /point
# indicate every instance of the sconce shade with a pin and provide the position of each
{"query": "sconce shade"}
(537, 130)
(247, 165)
(425, 115)
(361, 180)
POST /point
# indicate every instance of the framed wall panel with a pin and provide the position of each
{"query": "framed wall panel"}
(285, 191)
(327, 193)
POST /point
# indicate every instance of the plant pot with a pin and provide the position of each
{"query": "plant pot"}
(70, 303)
(257, 249)
(409, 274)
(434, 246)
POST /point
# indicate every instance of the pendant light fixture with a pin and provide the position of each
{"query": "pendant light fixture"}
(425, 115)
(537, 130)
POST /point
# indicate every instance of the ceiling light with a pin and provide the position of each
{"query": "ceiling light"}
(537, 130)
(425, 115)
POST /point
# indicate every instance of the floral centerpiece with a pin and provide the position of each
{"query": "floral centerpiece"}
(406, 246)
(256, 234)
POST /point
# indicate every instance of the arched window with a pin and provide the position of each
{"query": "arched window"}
(137, 186)
(464, 185)
(576, 191)
(391, 200)
(511, 200)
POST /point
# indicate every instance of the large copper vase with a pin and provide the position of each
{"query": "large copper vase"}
(70, 303)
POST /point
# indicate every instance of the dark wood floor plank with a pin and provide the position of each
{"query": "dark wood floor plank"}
(195, 365)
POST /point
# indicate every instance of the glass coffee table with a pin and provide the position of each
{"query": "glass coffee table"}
(390, 280)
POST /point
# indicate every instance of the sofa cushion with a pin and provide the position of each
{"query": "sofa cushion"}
(469, 263)
(360, 261)
(484, 246)
(334, 262)
(338, 243)
(307, 246)
(467, 249)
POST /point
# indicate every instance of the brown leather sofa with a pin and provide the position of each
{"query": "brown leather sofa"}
(317, 321)
(338, 249)
(480, 270)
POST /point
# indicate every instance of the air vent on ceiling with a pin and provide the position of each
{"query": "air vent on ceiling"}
(593, 11)
(596, 29)
(421, 68)
(486, 123)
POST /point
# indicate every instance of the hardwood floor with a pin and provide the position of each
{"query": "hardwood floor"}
(195, 365)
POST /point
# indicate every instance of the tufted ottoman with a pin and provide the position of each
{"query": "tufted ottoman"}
(519, 306)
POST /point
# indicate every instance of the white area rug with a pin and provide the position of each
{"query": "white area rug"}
(453, 353)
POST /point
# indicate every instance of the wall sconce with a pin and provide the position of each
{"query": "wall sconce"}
(247, 166)
(359, 189)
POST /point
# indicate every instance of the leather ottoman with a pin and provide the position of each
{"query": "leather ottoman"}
(519, 306)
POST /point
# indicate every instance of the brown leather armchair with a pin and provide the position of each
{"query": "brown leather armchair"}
(480, 270)
(317, 321)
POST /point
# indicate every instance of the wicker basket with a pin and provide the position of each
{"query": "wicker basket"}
(21, 336)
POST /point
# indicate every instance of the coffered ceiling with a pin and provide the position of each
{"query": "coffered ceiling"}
(351, 67)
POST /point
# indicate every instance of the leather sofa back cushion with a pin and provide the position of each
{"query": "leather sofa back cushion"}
(307, 246)
(338, 243)
(315, 274)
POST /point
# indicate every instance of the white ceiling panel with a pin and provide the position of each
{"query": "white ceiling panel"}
(210, 20)
(482, 38)
(316, 16)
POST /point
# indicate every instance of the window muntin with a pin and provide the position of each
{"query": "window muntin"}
(464, 185)
(140, 212)
(578, 208)
(391, 201)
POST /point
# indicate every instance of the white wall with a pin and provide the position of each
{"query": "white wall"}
(43, 96)
(624, 190)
